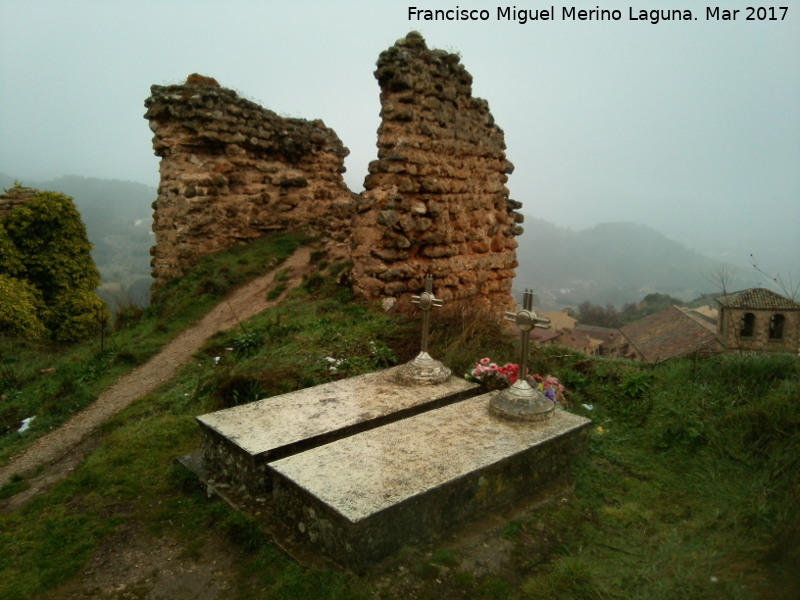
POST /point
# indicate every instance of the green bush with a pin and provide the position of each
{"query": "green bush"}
(50, 236)
(45, 242)
(78, 315)
(20, 309)
(10, 258)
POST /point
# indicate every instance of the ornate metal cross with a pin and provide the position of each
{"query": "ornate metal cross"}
(426, 300)
(521, 401)
(424, 370)
(526, 320)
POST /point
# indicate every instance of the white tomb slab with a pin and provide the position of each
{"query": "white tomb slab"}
(362, 497)
(239, 441)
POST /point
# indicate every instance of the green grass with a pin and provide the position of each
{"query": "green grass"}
(690, 491)
(82, 371)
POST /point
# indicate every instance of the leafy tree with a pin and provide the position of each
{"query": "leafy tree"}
(10, 258)
(78, 315)
(19, 309)
(50, 236)
(650, 304)
(44, 242)
(593, 314)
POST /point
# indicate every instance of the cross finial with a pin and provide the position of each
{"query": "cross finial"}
(521, 402)
(424, 370)
(426, 300)
(526, 319)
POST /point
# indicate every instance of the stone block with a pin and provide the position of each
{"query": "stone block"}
(363, 497)
(239, 442)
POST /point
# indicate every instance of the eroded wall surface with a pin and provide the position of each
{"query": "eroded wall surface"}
(232, 171)
(435, 201)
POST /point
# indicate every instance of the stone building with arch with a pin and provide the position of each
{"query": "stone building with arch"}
(758, 320)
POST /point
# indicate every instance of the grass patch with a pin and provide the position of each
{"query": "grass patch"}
(54, 382)
(16, 485)
(689, 490)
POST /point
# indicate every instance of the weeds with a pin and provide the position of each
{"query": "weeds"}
(690, 491)
(57, 381)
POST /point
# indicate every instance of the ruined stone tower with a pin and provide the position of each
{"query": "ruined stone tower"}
(435, 200)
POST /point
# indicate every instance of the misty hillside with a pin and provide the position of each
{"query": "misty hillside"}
(613, 263)
(118, 216)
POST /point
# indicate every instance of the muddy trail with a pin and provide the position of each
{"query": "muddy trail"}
(54, 455)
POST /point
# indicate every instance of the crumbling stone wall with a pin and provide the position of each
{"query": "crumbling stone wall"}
(435, 200)
(232, 171)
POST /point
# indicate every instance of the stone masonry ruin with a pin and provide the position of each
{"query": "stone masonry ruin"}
(435, 200)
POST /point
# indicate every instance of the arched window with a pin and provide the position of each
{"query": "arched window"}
(748, 325)
(776, 327)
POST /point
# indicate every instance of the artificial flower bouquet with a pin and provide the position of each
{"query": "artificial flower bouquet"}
(492, 376)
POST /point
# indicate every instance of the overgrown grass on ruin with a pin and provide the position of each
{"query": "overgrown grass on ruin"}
(689, 488)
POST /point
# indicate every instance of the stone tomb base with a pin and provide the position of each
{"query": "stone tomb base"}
(360, 498)
(355, 469)
(239, 442)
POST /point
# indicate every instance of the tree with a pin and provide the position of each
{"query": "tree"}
(19, 309)
(592, 314)
(10, 258)
(650, 304)
(44, 243)
(787, 286)
(78, 315)
(56, 252)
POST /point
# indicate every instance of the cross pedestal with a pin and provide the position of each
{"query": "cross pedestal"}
(423, 369)
(521, 401)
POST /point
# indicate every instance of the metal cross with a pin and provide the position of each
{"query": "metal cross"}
(426, 300)
(526, 320)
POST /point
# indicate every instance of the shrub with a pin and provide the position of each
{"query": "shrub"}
(78, 315)
(45, 242)
(19, 309)
(10, 258)
(50, 236)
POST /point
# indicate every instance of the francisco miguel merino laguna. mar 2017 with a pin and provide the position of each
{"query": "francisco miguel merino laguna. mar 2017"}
(571, 13)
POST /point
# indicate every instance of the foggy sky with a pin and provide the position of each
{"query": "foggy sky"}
(690, 127)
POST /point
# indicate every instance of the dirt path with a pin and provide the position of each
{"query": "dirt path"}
(64, 448)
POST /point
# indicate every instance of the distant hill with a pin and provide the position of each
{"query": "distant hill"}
(615, 263)
(118, 217)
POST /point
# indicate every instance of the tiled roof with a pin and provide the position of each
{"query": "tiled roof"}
(704, 320)
(579, 341)
(758, 298)
(606, 334)
(544, 335)
(669, 333)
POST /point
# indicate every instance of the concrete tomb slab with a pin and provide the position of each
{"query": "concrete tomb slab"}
(362, 497)
(238, 442)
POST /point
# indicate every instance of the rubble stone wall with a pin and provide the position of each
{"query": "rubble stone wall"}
(435, 200)
(232, 171)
